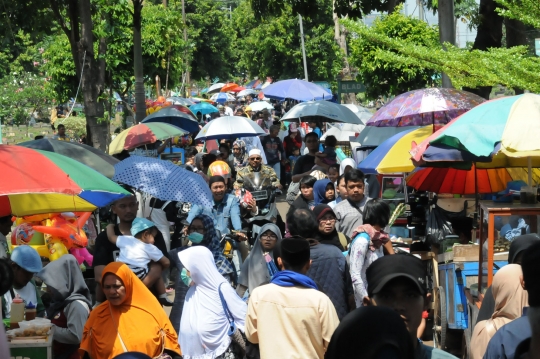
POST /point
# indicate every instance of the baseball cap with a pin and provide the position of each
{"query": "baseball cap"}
(387, 268)
(27, 258)
(248, 108)
(140, 224)
(530, 265)
(220, 107)
(293, 127)
(295, 251)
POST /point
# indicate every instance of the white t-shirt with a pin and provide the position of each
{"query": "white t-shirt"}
(27, 293)
(228, 111)
(137, 253)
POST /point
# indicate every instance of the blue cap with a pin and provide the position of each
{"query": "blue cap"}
(140, 224)
(27, 258)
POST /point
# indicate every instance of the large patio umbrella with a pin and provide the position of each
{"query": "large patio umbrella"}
(431, 106)
(361, 112)
(230, 127)
(299, 90)
(374, 136)
(88, 155)
(321, 111)
(174, 117)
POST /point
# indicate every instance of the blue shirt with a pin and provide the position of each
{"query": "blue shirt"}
(319, 133)
(505, 341)
(223, 213)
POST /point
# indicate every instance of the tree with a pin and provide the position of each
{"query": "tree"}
(138, 62)
(526, 11)
(381, 74)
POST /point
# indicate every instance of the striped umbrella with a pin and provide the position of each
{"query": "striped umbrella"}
(143, 134)
(36, 182)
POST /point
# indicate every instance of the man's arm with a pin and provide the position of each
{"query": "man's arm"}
(329, 321)
(297, 174)
(194, 212)
(251, 319)
(235, 214)
(110, 234)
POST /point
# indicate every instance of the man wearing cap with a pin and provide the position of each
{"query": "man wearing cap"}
(255, 165)
(399, 282)
(25, 262)
(249, 112)
(290, 317)
(530, 264)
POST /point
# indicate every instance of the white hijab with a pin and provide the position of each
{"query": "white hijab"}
(204, 325)
(346, 162)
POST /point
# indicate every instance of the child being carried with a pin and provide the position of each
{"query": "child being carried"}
(329, 156)
(138, 250)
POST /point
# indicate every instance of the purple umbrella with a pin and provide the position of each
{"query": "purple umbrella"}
(299, 90)
(431, 106)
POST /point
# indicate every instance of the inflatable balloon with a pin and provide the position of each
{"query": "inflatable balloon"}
(82, 255)
(68, 230)
(56, 250)
(22, 234)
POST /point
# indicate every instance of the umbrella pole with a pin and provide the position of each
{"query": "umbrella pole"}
(529, 165)
(475, 216)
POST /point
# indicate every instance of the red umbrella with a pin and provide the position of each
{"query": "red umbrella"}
(228, 87)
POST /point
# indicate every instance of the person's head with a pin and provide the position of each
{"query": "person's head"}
(208, 159)
(354, 181)
(385, 337)
(330, 141)
(376, 213)
(190, 154)
(218, 187)
(201, 231)
(295, 151)
(326, 218)
(342, 187)
(333, 173)
(312, 142)
(25, 262)
(38, 137)
(126, 208)
(258, 115)
(224, 151)
(113, 288)
(508, 292)
(249, 111)
(221, 110)
(274, 130)
(302, 223)
(5, 225)
(399, 283)
(313, 124)
(239, 112)
(294, 255)
(238, 148)
(324, 191)
(269, 236)
(306, 187)
(61, 130)
(255, 158)
(530, 266)
(265, 112)
(347, 165)
(144, 230)
(519, 246)
(293, 129)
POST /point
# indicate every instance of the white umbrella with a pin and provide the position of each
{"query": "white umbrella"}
(246, 92)
(321, 111)
(230, 127)
(215, 87)
(260, 105)
(343, 132)
(374, 136)
(221, 94)
(363, 113)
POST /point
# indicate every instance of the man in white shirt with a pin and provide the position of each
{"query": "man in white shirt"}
(228, 110)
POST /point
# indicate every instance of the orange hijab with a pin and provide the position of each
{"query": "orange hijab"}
(140, 321)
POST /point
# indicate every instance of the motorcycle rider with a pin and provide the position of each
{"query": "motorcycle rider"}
(255, 165)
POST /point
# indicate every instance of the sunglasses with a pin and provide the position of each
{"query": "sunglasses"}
(255, 158)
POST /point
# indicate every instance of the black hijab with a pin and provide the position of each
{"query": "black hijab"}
(371, 333)
(520, 244)
(332, 238)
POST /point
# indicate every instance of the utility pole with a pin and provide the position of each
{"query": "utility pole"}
(188, 80)
(420, 5)
(303, 47)
(446, 30)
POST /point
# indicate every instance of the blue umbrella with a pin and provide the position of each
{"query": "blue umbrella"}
(299, 90)
(221, 97)
(174, 117)
(204, 108)
(163, 180)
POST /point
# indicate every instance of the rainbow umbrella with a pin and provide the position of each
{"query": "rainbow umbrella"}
(143, 134)
(36, 182)
(392, 155)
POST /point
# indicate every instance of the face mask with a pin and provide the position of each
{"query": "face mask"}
(196, 237)
(185, 277)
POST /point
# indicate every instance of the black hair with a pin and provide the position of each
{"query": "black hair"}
(308, 181)
(354, 175)
(225, 145)
(295, 149)
(311, 134)
(190, 152)
(340, 178)
(61, 126)
(376, 212)
(6, 219)
(336, 167)
(38, 137)
(215, 179)
(208, 159)
(330, 141)
(303, 223)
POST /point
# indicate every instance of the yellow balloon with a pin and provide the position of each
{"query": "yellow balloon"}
(56, 250)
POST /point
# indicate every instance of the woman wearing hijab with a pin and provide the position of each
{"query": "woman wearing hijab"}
(328, 233)
(324, 191)
(240, 154)
(204, 324)
(131, 320)
(346, 165)
(510, 299)
(386, 336)
(259, 266)
(70, 304)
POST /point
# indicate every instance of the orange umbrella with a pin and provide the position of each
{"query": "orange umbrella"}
(238, 89)
(228, 87)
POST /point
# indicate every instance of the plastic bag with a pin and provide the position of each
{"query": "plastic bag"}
(438, 226)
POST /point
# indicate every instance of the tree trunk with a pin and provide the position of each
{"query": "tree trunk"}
(445, 12)
(341, 38)
(392, 5)
(137, 61)
(515, 35)
(489, 34)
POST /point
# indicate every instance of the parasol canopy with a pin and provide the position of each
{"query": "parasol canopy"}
(143, 134)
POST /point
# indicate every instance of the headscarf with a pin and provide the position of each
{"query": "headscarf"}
(212, 242)
(140, 321)
(386, 330)
(346, 162)
(377, 238)
(254, 269)
(520, 244)
(65, 278)
(241, 159)
(319, 191)
(333, 237)
(510, 299)
(204, 324)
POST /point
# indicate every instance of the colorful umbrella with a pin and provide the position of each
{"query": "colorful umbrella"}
(321, 111)
(246, 93)
(180, 101)
(215, 88)
(90, 156)
(182, 108)
(143, 134)
(222, 97)
(374, 136)
(35, 182)
(361, 112)
(299, 90)
(228, 87)
(252, 84)
(204, 108)
(230, 127)
(431, 106)
(475, 180)
(174, 117)
(237, 89)
(163, 180)
(392, 155)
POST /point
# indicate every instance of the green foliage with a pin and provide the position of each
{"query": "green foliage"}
(526, 11)
(59, 66)
(309, 8)
(381, 74)
(272, 46)
(510, 67)
(75, 125)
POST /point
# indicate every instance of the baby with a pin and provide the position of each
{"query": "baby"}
(328, 156)
(138, 250)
